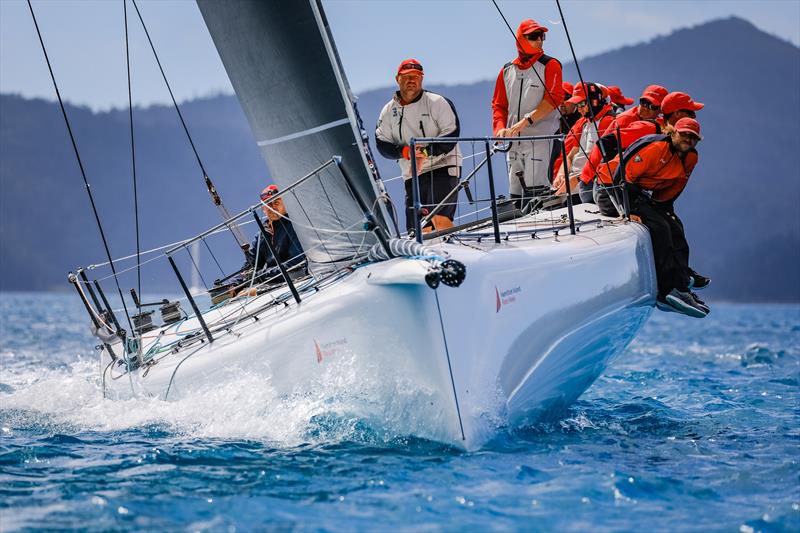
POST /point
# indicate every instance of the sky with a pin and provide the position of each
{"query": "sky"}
(456, 41)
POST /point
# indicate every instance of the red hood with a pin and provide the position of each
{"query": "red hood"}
(527, 53)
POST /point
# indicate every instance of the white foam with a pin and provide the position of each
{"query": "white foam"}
(244, 405)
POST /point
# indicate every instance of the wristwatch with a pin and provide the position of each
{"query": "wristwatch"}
(530, 119)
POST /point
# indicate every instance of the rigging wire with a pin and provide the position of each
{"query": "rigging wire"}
(601, 146)
(80, 165)
(133, 163)
(212, 190)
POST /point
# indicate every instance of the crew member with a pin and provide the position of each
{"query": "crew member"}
(618, 100)
(415, 112)
(282, 238)
(678, 105)
(569, 113)
(593, 103)
(649, 108)
(526, 98)
(658, 167)
(647, 112)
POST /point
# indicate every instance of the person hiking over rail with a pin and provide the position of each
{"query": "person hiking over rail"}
(634, 123)
(658, 168)
(416, 112)
(526, 98)
(678, 105)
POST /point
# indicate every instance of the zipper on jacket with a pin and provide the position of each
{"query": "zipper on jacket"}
(400, 124)
(519, 99)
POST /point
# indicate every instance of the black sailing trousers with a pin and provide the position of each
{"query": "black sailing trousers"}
(434, 186)
(670, 249)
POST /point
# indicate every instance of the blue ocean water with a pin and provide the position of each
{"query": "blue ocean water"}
(695, 427)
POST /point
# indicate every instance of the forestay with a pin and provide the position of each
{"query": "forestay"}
(286, 73)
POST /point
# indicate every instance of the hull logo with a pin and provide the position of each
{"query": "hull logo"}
(327, 349)
(505, 297)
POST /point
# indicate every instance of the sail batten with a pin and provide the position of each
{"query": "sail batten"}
(282, 64)
(303, 133)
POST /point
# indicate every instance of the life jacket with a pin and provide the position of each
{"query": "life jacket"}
(525, 89)
(588, 137)
(622, 120)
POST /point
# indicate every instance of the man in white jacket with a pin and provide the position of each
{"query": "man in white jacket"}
(415, 112)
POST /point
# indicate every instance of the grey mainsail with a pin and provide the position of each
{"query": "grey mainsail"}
(284, 68)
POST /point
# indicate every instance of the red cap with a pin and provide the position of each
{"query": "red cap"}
(676, 101)
(410, 65)
(688, 125)
(269, 191)
(654, 94)
(530, 26)
(578, 93)
(615, 93)
(568, 89)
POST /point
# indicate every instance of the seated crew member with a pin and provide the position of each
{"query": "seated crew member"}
(618, 100)
(282, 238)
(415, 112)
(569, 116)
(569, 113)
(658, 167)
(679, 105)
(592, 102)
(527, 94)
(676, 106)
(649, 108)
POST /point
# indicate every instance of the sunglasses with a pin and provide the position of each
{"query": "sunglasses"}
(581, 104)
(535, 36)
(688, 112)
(691, 137)
(267, 195)
(647, 105)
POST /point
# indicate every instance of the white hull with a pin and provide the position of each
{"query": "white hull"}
(533, 325)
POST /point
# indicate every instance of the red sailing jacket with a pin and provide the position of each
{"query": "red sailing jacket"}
(633, 131)
(657, 168)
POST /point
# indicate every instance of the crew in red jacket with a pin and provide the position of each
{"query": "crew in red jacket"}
(649, 108)
(658, 168)
(618, 100)
(592, 101)
(526, 98)
(646, 114)
(679, 105)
